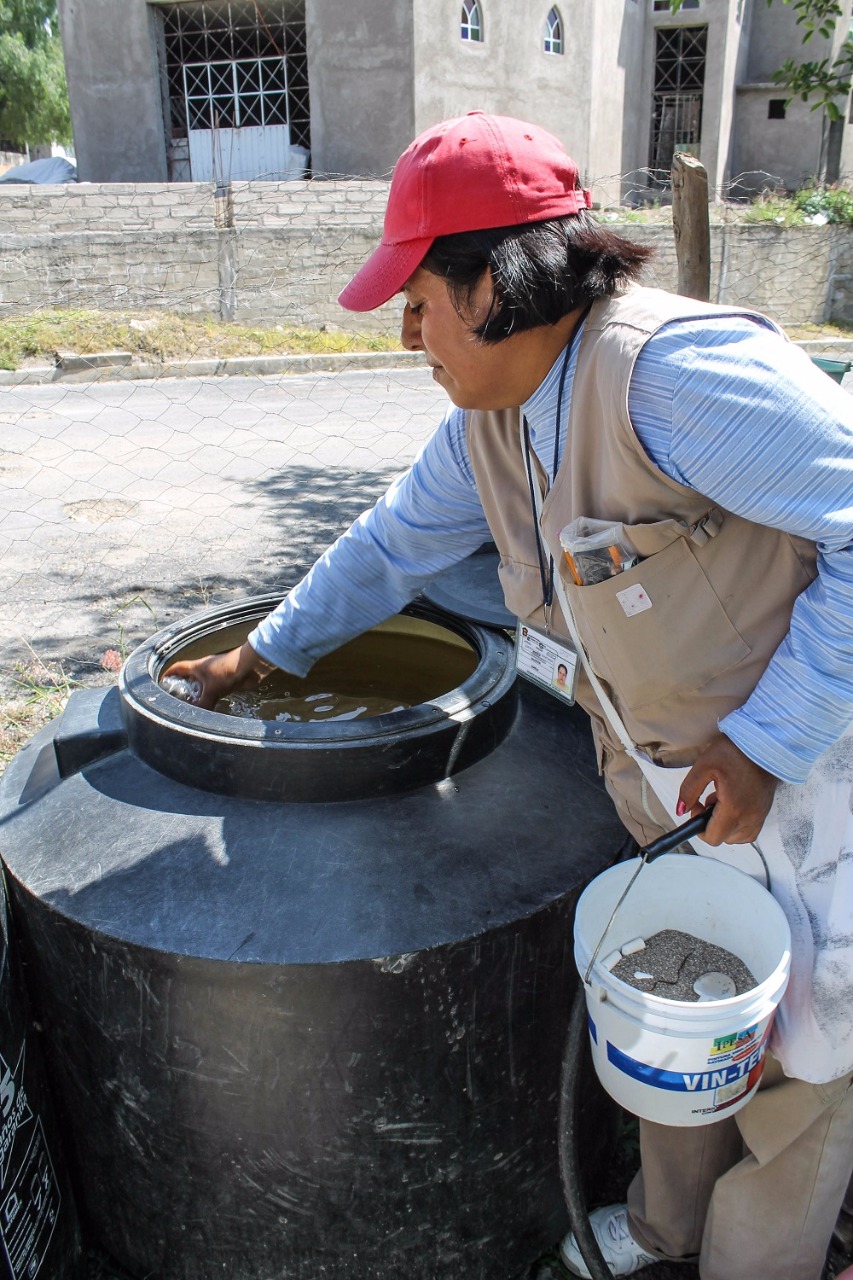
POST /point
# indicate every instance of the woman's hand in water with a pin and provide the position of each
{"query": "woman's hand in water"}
(222, 673)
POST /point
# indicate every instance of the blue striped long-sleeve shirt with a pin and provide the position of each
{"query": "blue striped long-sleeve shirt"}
(723, 405)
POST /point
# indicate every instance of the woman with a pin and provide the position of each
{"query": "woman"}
(724, 656)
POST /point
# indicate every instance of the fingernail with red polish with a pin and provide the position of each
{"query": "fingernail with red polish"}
(680, 809)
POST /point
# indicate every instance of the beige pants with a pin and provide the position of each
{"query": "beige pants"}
(756, 1194)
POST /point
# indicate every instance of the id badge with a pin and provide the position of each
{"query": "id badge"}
(550, 663)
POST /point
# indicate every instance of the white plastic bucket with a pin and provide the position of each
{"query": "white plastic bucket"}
(681, 1062)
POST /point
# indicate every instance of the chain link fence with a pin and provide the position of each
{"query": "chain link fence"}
(137, 484)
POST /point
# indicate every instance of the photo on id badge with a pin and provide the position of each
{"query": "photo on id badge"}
(550, 663)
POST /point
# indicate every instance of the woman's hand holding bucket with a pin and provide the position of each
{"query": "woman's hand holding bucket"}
(742, 796)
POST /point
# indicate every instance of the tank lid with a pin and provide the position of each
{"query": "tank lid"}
(472, 590)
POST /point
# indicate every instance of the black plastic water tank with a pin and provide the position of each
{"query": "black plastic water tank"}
(306, 986)
(39, 1231)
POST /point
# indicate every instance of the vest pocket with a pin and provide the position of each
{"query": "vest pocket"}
(656, 629)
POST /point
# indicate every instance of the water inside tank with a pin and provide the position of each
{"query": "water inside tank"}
(280, 703)
(398, 664)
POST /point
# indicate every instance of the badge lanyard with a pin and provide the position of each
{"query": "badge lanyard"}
(543, 554)
(548, 662)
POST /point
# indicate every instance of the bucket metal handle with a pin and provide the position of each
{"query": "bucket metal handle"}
(672, 839)
(664, 844)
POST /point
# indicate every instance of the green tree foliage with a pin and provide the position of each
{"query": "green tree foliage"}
(33, 97)
(822, 80)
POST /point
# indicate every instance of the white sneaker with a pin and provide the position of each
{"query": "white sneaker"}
(621, 1252)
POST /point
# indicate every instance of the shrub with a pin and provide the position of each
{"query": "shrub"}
(770, 206)
(833, 203)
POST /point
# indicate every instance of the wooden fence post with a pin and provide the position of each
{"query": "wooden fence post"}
(691, 226)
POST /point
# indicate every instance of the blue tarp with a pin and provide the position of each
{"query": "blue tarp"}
(54, 170)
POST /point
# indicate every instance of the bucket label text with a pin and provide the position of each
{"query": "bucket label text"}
(726, 1083)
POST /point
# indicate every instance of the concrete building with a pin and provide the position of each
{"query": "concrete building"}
(218, 89)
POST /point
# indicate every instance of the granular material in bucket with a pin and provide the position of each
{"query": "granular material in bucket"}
(679, 966)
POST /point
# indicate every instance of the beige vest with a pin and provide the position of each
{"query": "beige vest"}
(722, 588)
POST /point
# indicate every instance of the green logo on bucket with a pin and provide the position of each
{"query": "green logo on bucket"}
(692, 1082)
(734, 1048)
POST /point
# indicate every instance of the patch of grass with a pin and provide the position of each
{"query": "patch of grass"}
(805, 332)
(154, 336)
(38, 691)
(777, 209)
(123, 647)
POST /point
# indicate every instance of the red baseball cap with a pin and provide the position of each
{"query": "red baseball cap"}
(465, 174)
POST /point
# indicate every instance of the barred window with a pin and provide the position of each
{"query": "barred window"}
(237, 63)
(679, 87)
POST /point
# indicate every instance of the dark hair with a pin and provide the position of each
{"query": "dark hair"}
(541, 270)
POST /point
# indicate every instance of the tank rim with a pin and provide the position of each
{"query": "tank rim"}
(339, 760)
(142, 695)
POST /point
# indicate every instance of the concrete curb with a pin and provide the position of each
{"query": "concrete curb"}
(69, 362)
(87, 368)
(93, 368)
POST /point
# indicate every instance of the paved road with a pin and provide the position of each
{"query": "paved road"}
(124, 505)
(122, 499)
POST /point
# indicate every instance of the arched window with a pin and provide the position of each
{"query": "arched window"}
(554, 32)
(472, 22)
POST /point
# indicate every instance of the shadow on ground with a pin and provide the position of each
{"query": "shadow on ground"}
(295, 515)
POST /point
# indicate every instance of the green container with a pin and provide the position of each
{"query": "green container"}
(835, 368)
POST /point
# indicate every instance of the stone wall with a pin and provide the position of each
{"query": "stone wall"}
(841, 307)
(279, 253)
(788, 274)
(160, 206)
(103, 270)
